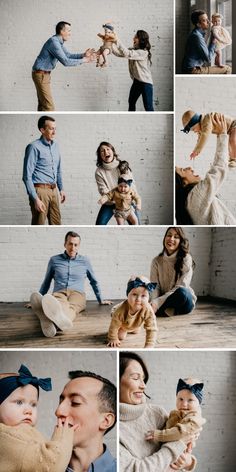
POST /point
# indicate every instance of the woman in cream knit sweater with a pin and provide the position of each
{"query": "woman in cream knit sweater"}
(173, 270)
(106, 175)
(137, 417)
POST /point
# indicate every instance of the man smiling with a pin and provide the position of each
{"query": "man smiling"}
(89, 400)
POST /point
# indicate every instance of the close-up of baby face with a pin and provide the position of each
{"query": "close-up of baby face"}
(186, 400)
(20, 407)
(123, 188)
(138, 298)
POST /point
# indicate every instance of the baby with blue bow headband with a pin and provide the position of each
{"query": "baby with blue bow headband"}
(134, 312)
(23, 447)
(186, 421)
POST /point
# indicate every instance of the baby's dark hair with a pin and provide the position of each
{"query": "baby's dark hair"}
(124, 167)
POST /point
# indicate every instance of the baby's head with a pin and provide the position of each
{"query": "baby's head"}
(124, 184)
(189, 393)
(216, 19)
(138, 291)
(108, 28)
(19, 395)
(191, 121)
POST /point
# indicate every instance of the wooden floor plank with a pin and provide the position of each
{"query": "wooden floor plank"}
(211, 325)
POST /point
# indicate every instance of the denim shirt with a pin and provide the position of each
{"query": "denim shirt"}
(70, 273)
(42, 164)
(52, 52)
(197, 52)
(104, 463)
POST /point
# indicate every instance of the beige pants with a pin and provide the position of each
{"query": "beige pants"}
(50, 199)
(212, 70)
(42, 83)
(72, 302)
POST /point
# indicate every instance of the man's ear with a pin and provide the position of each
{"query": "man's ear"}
(108, 419)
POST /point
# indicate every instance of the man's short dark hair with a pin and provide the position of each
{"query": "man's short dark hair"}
(106, 396)
(61, 25)
(195, 16)
(72, 234)
(42, 120)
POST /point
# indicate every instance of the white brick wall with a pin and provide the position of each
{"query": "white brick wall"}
(215, 449)
(85, 87)
(223, 263)
(115, 253)
(145, 141)
(204, 95)
(57, 364)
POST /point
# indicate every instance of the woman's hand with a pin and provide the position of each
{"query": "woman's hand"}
(219, 123)
(113, 343)
(185, 459)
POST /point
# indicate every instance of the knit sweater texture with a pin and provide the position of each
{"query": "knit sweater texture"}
(138, 62)
(138, 454)
(208, 127)
(163, 272)
(122, 318)
(24, 449)
(179, 425)
(203, 205)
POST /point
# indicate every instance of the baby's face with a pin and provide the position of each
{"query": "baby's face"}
(20, 407)
(123, 188)
(216, 21)
(186, 400)
(138, 298)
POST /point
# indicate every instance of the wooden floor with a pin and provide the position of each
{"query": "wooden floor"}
(211, 325)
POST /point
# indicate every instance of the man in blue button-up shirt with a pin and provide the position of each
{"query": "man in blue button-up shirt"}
(52, 52)
(89, 401)
(69, 271)
(198, 55)
(42, 175)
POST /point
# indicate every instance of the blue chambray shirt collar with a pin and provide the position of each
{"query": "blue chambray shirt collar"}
(61, 41)
(45, 142)
(103, 463)
(66, 256)
(201, 31)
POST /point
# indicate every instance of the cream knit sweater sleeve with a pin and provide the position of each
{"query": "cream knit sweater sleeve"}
(23, 448)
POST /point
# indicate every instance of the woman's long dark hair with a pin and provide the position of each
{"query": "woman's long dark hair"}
(181, 194)
(98, 152)
(144, 43)
(182, 250)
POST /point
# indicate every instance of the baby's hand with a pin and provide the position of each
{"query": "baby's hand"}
(149, 436)
(194, 154)
(64, 425)
(113, 343)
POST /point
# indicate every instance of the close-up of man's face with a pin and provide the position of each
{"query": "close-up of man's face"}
(79, 403)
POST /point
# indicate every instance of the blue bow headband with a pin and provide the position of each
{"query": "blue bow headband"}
(194, 120)
(108, 26)
(196, 389)
(150, 286)
(128, 181)
(13, 381)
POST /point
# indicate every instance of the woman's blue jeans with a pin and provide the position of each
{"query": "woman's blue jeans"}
(181, 300)
(106, 213)
(141, 88)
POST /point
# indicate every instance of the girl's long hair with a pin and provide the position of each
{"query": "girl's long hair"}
(182, 250)
(181, 194)
(98, 152)
(144, 43)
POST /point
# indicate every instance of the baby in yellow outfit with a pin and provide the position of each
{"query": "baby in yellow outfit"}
(204, 125)
(134, 312)
(221, 36)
